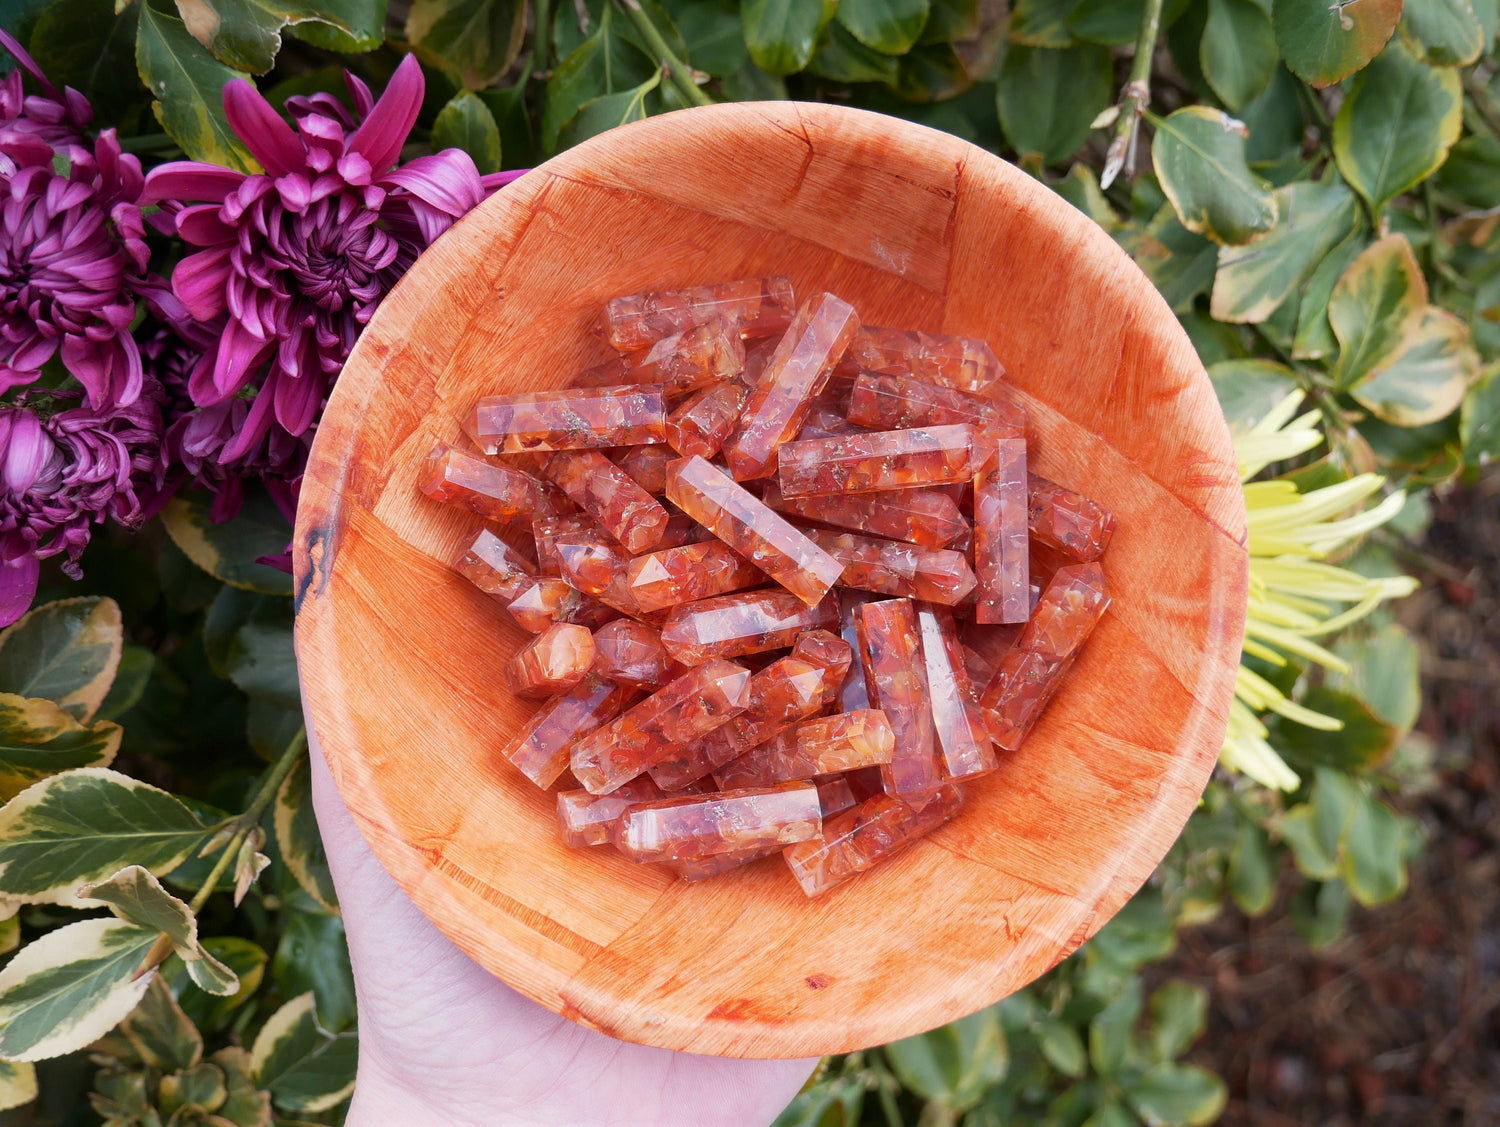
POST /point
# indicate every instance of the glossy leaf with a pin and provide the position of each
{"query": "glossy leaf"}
(85, 825)
(713, 35)
(473, 40)
(781, 34)
(954, 1064)
(1252, 871)
(187, 84)
(1315, 337)
(931, 74)
(129, 685)
(1199, 154)
(261, 662)
(606, 112)
(466, 123)
(1427, 377)
(888, 26)
(1472, 171)
(1238, 51)
(948, 20)
(1178, 1095)
(1396, 124)
(211, 1012)
(1251, 281)
(246, 34)
(1445, 33)
(1325, 43)
(1364, 740)
(1048, 98)
(1276, 120)
(298, 839)
(17, 1084)
(1179, 1013)
(1180, 263)
(229, 551)
(305, 1067)
(160, 1033)
(1116, 23)
(38, 739)
(1110, 1032)
(70, 986)
(1041, 23)
(1377, 303)
(66, 652)
(245, 1105)
(90, 46)
(314, 956)
(842, 58)
(604, 63)
(1248, 389)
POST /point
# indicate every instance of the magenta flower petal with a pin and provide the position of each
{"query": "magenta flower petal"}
(447, 181)
(238, 356)
(25, 447)
(18, 581)
(253, 429)
(384, 129)
(495, 180)
(199, 282)
(201, 226)
(190, 180)
(269, 138)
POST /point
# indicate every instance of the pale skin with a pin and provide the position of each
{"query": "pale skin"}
(442, 1043)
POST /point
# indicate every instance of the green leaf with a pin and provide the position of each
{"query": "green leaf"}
(367, 13)
(781, 34)
(1253, 280)
(38, 739)
(1199, 154)
(1110, 1031)
(212, 1012)
(71, 986)
(607, 112)
(1396, 124)
(751, 84)
(711, 29)
(1248, 389)
(931, 74)
(604, 63)
(313, 955)
(888, 26)
(245, 1104)
(88, 45)
(950, 20)
(1427, 378)
(1374, 863)
(508, 107)
(955, 1064)
(1444, 33)
(66, 652)
(131, 678)
(1179, 1012)
(17, 1084)
(1180, 1095)
(1321, 911)
(1238, 52)
(229, 551)
(1116, 23)
(1081, 189)
(246, 34)
(187, 84)
(262, 663)
(84, 825)
(1325, 43)
(1377, 303)
(1480, 423)
(473, 40)
(1252, 871)
(305, 1067)
(298, 839)
(1363, 741)
(1063, 1048)
(1041, 23)
(201, 1086)
(1179, 263)
(1048, 98)
(1472, 171)
(466, 123)
(160, 1033)
(1276, 120)
(1315, 337)
(1314, 856)
(842, 58)
(1110, 1114)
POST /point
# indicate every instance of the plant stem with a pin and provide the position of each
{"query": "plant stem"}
(1134, 99)
(541, 38)
(680, 73)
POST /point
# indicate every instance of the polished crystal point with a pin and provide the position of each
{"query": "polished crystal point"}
(569, 419)
(890, 649)
(966, 363)
(679, 829)
(821, 746)
(646, 465)
(895, 402)
(494, 566)
(611, 496)
(859, 839)
(891, 567)
(957, 718)
(876, 460)
(701, 424)
(744, 622)
(585, 819)
(540, 750)
(546, 600)
(1068, 521)
(1002, 553)
(494, 491)
(758, 306)
(686, 574)
(631, 652)
(919, 516)
(552, 662)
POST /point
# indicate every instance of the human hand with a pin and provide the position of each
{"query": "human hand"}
(443, 1042)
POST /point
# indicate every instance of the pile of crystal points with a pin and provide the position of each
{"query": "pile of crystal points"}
(791, 583)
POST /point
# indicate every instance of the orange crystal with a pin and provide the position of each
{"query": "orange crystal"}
(701, 424)
(1001, 546)
(759, 306)
(701, 868)
(541, 749)
(740, 519)
(552, 662)
(966, 363)
(795, 372)
(686, 574)
(569, 419)
(823, 746)
(631, 652)
(919, 516)
(679, 829)
(835, 795)
(1068, 521)
(547, 599)
(611, 496)
(685, 710)
(852, 694)
(895, 402)
(697, 357)
(1033, 670)
(498, 492)
(546, 530)
(646, 465)
(596, 566)
(894, 568)
(876, 460)
(745, 622)
(890, 650)
(956, 716)
(857, 840)
(494, 566)
(585, 819)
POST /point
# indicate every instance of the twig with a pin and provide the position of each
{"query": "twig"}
(1134, 99)
(541, 38)
(679, 72)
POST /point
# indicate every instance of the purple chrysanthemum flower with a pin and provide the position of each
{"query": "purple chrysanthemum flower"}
(67, 471)
(296, 258)
(57, 120)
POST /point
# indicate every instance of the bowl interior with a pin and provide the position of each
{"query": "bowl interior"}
(400, 657)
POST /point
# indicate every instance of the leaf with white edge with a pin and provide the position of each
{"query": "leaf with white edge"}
(1396, 125)
(229, 551)
(305, 1067)
(1199, 154)
(247, 868)
(213, 1012)
(298, 839)
(1177, 1095)
(1443, 33)
(69, 987)
(313, 955)
(17, 1084)
(1252, 281)
(38, 739)
(1377, 303)
(136, 664)
(1248, 389)
(1238, 50)
(187, 83)
(1427, 378)
(1325, 43)
(1179, 1012)
(66, 652)
(1179, 263)
(474, 40)
(466, 123)
(246, 34)
(1047, 98)
(1080, 187)
(1315, 339)
(160, 1033)
(245, 1105)
(85, 825)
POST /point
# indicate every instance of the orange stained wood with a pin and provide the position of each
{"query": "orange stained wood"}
(399, 656)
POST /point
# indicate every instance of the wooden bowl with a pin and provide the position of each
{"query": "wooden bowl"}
(399, 657)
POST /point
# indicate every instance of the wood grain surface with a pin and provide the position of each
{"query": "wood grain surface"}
(400, 657)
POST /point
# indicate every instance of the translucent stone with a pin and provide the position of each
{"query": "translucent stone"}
(795, 372)
(585, 819)
(896, 402)
(701, 868)
(859, 839)
(890, 650)
(852, 694)
(824, 420)
(957, 718)
(679, 829)
(919, 516)
(611, 496)
(552, 662)
(646, 465)
(631, 652)
(569, 419)
(682, 529)
(820, 746)
(745, 622)
(686, 361)
(1068, 521)
(546, 530)
(496, 492)
(1032, 671)
(701, 424)
(876, 460)
(740, 519)
(835, 795)
(890, 567)
(614, 372)
(541, 749)
(685, 710)
(1002, 556)
(829, 652)
(597, 566)
(494, 566)
(759, 306)
(547, 600)
(686, 574)
(966, 363)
